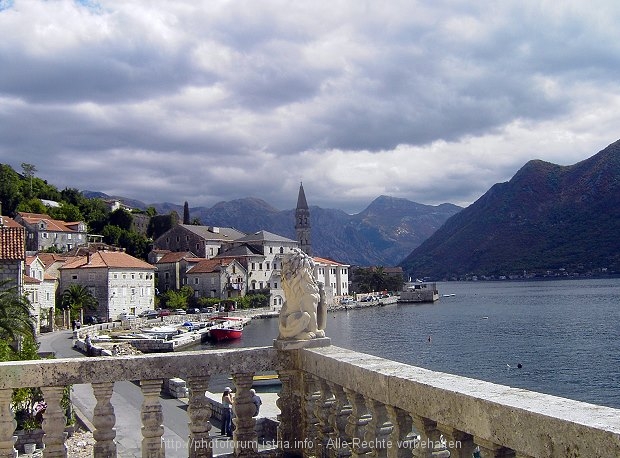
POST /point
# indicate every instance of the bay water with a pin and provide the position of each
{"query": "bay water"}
(564, 333)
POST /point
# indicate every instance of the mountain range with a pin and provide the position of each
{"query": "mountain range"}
(381, 235)
(547, 217)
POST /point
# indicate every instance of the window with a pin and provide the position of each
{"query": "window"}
(211, 251)
(74, 277)
(45, 235)
(270, 250)
(196, 281)
(69, 236)
(212, 281)
(275, 285)
(133, 276)
(281, 250)
(253, 266)
(115, 276)
(266, 266)
(91, 277)
(234, 269)
(124, 276)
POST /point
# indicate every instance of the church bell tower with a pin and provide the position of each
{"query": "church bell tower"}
(302, 222)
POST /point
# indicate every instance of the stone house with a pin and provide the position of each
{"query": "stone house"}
(221, 277)
(262, 254)
(12, 253)
(203, 241)
(43, 232)
(120, 282)
(40, 288)
(333, 275)
(172, 269)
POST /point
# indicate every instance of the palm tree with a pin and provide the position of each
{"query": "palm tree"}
(77, 298)
(16, 317)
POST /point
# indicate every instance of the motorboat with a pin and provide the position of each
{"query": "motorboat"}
(226, 328)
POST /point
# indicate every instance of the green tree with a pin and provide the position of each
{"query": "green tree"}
(29, 170)
(67, 212)
(33, 205)
(77, 298)
(16, 314)
(178, 299)
(10, 194)
(112, 235)
(121, 218)
(186, 213)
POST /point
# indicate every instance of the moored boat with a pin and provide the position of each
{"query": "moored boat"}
(226, 328)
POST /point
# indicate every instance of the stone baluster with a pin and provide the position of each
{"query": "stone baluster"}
(199, 413)
(54, 422)
(490, 449)
(104, 420)
(7, 425)
(401, 436)
(357, 422)
(338, 418)
(290, 431)
(429, 436)
(323, 410)
(244, 436)
(459, 443)
(312, 397)
(378, 428)
(152, 420)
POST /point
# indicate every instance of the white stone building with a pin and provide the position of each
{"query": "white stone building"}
(224, 278)
(333, 275)
(261, 254)
(121, 283)
(40, 289)
(43, 232)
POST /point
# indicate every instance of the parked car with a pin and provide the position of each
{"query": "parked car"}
(152, 315)
(165, 312)
(126, 316)
(207, 310)
(180, 312)
(92, 320)
(193, 311)
(144, 313)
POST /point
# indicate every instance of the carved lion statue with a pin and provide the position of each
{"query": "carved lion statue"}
(303, 314)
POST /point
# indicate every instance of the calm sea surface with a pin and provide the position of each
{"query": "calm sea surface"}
(565, 333)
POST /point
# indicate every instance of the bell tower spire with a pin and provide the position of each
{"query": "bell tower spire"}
(302, 222)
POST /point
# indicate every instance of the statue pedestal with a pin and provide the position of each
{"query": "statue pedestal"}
(281, 344)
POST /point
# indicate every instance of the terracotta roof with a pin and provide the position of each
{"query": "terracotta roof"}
(50, 258)
(210, 265)
(176, 256)
(9, 222)
(31, 280)
(326, 261)
(52, 224)
(12, 243)
(107, 259)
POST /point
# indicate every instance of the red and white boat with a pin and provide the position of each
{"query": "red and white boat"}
(226, 328)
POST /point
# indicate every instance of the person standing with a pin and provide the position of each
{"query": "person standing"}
(256, 400)
(227, 401)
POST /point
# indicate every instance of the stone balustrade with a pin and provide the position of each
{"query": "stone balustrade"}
(333, 402)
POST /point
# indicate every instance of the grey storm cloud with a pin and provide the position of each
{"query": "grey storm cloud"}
(434, 101)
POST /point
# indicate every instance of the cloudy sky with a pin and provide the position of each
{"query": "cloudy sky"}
(430, 100)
